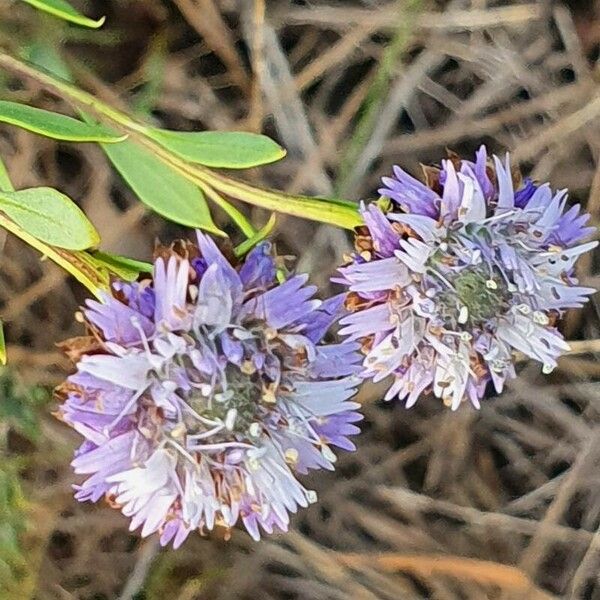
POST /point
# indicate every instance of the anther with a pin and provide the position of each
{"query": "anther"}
(230, 419)
(291, 456)
(311, 496)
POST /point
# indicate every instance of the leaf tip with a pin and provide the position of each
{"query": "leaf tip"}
(216, 231)
(282, 152)
(98, 23)
(117, 139)
(94, 239)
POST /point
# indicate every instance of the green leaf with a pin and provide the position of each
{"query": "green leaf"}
(63, 10)
(220, 149)
(18, 407)
(152, 74)
(5, 182)
(160, 187)
(339, 213)
(49, 216)
(43, 53)
(257, 238)
(54, 125)
(126, 268)
(2, 345)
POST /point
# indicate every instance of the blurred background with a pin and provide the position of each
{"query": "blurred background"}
(502, 503)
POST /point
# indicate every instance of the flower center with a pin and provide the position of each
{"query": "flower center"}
(243, 394)
(477, 298)
(212, 400)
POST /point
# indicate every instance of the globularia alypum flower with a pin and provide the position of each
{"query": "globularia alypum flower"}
(203, 391)
(451, 277)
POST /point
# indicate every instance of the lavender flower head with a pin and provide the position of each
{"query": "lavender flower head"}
(203, 391)
(451, 277)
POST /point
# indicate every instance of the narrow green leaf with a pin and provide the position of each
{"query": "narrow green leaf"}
(339, 213)
(63, 10)
(258, 237)
(152, 74)
(55, 125)
(49, 216)
(220, 149)
(2, 345)
(126, 268)
(43, 53)
(5, 182)
(160, 187)
(79, 263)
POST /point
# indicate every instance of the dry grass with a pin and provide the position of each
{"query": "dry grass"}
(502, 503)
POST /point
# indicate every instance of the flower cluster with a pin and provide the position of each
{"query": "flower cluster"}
(452, 276)
(203, 391)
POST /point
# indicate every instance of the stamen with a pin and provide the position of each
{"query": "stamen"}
(124, 411)
(220, 446)
(202, 436)
(182, 450)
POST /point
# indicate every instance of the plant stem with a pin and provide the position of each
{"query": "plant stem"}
(334, 212)
(83, 271)
(258, 237)
(234, 214)
(376, 97)
(76, 263)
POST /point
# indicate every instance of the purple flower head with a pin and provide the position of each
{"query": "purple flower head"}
(202, 392)
(450, 279)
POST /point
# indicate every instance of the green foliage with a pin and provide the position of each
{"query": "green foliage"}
(50, 216)
(12, 524)
(44, 54)
(167, 183)
(152, 74)
(258, 237)
(18, 407)
(161, 187)
(63, 10)
(220, 149)
(54, 125)
(2, 345)
(388, 67)
(79, 264)
(125, 268)
(5, 182)
(18, 412)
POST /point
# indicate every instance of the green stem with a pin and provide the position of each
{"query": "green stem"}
(378, 92)
(77, 264)
(258, 237)
(95, 285)
(333, 212)
(69, 90)
(234, 214)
